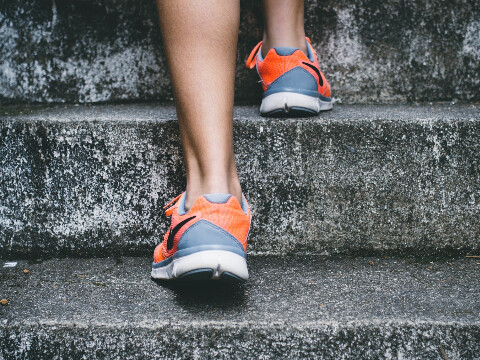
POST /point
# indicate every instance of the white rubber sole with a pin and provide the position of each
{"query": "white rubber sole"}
(286, 101)
(217, 261)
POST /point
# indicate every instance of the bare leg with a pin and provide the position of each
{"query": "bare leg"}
(201, 42)
(284, 24)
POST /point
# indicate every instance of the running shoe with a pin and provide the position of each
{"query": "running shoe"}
(207, 242)
(292, 81)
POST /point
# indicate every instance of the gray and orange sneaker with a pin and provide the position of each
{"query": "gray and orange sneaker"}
(292, 81)
(207, 242)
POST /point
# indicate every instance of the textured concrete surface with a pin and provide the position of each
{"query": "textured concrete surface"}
(292, 308)
(82, 180)
(370, 50)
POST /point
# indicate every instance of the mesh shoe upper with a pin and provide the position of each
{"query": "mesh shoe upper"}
(280, 61)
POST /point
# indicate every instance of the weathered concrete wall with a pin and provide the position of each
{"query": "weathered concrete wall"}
(359, 179)
(370, 50)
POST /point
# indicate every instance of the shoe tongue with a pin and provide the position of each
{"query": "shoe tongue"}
(285, 50)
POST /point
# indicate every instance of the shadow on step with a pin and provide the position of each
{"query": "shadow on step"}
(224, 295)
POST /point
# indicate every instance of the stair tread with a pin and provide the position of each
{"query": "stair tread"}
(166, 111)
(291, 308)
(289, 291)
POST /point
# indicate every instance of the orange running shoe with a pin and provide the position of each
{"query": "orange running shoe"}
(207, 242)
(292, 81)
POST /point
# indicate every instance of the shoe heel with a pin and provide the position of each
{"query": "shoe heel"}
(211, 265)
(293, 104)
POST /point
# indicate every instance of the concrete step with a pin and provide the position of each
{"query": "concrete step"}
(92, 181)
(93, 51)
(291, 308)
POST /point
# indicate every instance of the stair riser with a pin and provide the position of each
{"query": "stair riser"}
(339, 341)
(94, 51)
(351, 187)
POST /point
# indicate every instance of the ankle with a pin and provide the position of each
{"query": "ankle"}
(197, 188)
(290, 40)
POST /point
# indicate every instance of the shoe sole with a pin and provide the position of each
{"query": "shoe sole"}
(293, 104)
(205, 265)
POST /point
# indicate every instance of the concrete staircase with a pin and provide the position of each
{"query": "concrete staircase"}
(363, 216)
